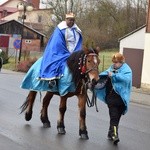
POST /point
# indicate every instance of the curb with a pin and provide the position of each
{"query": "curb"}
(140, 96)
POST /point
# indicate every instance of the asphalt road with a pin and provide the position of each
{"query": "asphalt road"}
(17, 134)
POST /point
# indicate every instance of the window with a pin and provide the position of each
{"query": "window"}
(39, 18)
(4, 13)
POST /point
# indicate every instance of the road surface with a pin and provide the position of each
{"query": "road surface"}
(17, 134)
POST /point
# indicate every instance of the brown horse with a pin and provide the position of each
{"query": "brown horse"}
(84, 68)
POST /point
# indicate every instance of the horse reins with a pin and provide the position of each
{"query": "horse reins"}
(93, 101)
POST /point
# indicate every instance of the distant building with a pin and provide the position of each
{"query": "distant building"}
(38, 19)
(136, 48)
(32, 28)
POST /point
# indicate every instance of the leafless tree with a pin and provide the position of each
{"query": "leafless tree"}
(103, 21)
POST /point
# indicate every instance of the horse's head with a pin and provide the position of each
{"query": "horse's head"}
(89, 65)
(84, 65)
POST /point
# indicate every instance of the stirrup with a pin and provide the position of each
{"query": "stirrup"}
(52, 83)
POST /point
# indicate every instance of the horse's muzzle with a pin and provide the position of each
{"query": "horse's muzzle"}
(94, 82)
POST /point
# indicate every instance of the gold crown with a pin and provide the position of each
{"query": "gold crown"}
(70, 15)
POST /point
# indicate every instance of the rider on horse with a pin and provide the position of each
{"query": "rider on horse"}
(65, 40)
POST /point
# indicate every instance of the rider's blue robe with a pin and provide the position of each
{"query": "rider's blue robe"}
(56, 53)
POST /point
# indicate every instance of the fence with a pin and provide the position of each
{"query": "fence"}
(106, 61)
(105, 57)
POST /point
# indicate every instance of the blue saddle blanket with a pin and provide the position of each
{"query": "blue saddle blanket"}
(31, 81)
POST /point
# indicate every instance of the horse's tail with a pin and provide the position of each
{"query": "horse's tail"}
(29, 101)
(24, 105)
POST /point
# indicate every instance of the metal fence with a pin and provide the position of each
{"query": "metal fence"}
(105, 57)
(105, 62)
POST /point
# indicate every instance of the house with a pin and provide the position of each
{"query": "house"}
(132, 46)
(4, 11)
(12, 31)
(10, 6)
(136, 48)
(146, 68)
(15, 27)
(38, 19)
(30, 25)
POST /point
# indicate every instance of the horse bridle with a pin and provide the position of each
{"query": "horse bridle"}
(93, 101)
(83, 64)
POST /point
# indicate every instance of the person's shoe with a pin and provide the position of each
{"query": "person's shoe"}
(113, 134)
(109, 135)
(52, 83)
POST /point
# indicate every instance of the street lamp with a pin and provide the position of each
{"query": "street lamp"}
(23, 6)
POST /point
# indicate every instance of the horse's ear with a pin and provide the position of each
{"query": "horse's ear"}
(86, 50)
(97, 49)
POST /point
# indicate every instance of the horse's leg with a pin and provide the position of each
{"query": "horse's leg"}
(62, 110)
(82, 117)
(44, 113)
(28, 105)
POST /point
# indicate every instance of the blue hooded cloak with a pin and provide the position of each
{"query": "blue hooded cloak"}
(121, 82)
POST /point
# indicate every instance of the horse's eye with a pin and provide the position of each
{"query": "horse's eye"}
(89, 61)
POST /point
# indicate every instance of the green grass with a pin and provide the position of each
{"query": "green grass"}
(12, 62)
(11, 65)
(105, 58)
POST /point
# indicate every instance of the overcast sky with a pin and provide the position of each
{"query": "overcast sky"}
(2, 1)
(41, 6)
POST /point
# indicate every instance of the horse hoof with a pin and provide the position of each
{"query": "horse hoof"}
(61, 130)
(84, 136)
(28, 116)
(46, 125)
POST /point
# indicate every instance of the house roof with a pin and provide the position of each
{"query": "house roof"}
(7, 2)
(9, 9)
(5, 22)
(3, 4)
(132, 32)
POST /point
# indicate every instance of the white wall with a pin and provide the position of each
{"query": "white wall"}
(135, 40)
(146, 62)
(32, 17)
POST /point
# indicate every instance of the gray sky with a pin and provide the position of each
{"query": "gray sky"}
(2, 1)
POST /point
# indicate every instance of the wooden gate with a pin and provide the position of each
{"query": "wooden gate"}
(134, 57)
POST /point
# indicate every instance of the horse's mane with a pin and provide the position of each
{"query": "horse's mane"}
(73, 64)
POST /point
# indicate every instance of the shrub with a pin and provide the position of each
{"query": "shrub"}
(25, 65)
(4, 56)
